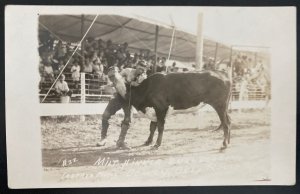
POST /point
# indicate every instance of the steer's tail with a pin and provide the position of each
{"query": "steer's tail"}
(228, 119)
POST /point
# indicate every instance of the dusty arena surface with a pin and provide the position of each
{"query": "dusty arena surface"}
(188, 155)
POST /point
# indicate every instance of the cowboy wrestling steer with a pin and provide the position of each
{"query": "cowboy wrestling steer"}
(179, 91)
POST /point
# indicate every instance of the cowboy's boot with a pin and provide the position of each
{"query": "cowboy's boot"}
(120, 143)
(105, 126)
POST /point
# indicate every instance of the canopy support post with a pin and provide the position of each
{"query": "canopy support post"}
(199, 46)
(155, 47)
(82, 43)
(216, 54)
(171, 45)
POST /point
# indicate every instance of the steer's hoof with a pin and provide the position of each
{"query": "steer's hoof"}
(222, 149)
(101, 143)
(122, 146)
(217, 129)
(147, 143)
(155, 147)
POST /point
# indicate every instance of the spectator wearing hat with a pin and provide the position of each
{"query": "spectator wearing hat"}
(135, 76)
(131, 76)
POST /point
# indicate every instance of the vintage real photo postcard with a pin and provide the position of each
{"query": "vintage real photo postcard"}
(119, 96)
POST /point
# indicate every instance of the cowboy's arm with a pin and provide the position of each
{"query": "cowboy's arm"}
(139, 79)
(108, 84)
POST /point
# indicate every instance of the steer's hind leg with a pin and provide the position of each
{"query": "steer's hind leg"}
(228, 124)
(153, 126)
(222, 113)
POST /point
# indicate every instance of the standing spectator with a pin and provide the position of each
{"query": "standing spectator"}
(173, 69)
(57, 66)
(162, 66)
(95, 57)
(101, 44)
(75, 70)
(97, 69)
(60, 50)
(48, 72)
(88, 66)
(41, 71)
(237, 65)
(223, 66)
(209, 65)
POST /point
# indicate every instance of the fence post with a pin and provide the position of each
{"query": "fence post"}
(82, 93)
(216, 55)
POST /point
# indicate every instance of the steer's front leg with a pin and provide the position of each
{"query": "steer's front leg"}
(153, 126)
(161, 115)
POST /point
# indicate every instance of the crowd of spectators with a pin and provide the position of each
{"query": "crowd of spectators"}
(243, 65)
(95, 58)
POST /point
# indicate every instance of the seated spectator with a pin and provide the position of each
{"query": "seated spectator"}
(61, 87)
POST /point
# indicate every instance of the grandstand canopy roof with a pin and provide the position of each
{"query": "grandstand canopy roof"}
(137, 31)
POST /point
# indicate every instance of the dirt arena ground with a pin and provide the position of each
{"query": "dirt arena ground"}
(188, 155)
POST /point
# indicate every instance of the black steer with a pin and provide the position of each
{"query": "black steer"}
(181, 91)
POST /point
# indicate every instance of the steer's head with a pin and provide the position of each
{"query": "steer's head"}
(118, 81)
